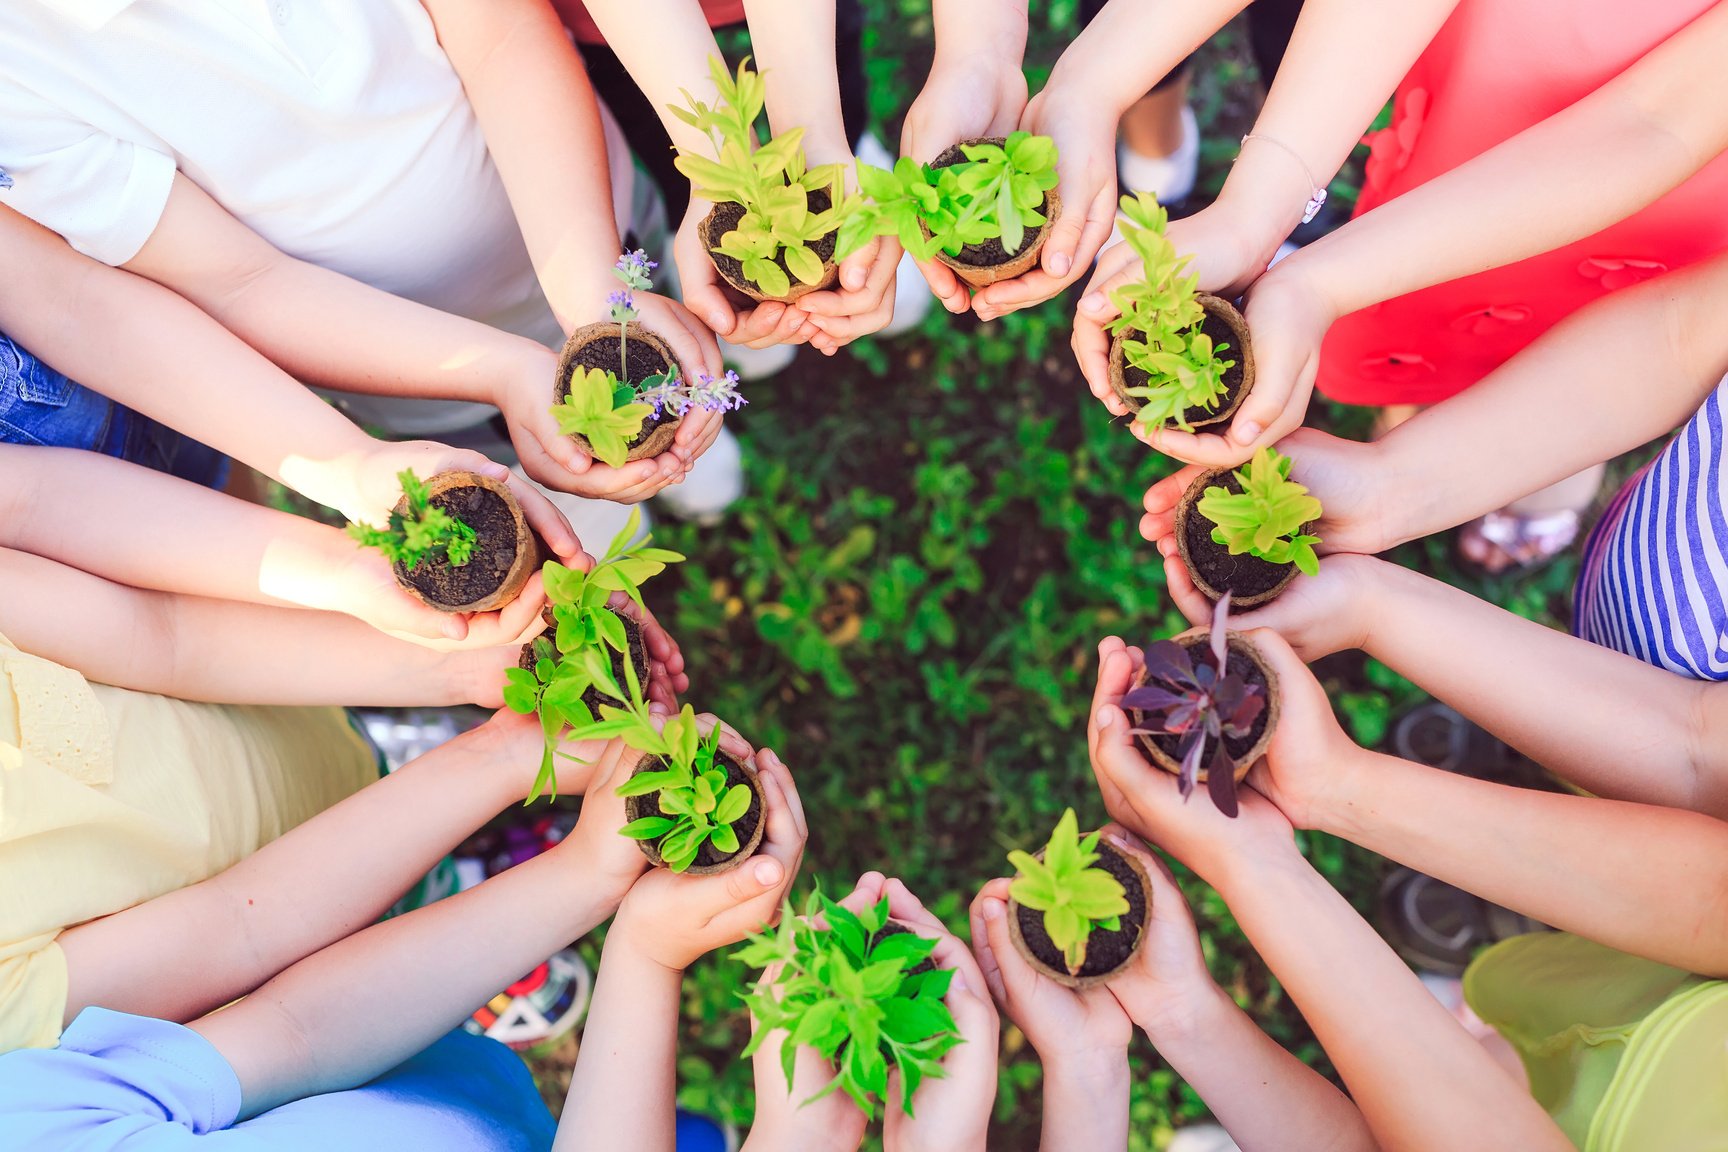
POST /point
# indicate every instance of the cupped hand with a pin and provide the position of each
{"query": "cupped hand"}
(1070, 1027)
(672, 920)
(976, 95)
(1316, 615)
(598, 770)
(1308, 765)
(796, 1117)
(862, 302)
(1218, 253)
(1146, 800)
(951, 1114)
(708, 299)
(1085, 136)
(368, 590)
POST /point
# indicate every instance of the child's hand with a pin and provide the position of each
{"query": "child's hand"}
(671, 920)
(1084, 129)
(1146, 799)
(705, 294)
(1316, 615)
(606, 855)
(951, 1114)
(1074, 1030)
(863, 301)
(666, 678)
(1309, 761)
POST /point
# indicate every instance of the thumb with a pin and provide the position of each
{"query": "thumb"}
(855, 269)
(743, 884)
(1058, 258)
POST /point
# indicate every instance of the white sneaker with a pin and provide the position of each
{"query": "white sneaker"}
(714, 484)
(1169, 178)
(595, 522)
(911, 294)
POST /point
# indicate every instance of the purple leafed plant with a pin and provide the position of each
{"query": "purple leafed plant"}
(1193, 694)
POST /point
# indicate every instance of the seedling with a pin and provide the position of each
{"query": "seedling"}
(692, 786)
(1074, 897)
(424, 532)
(576, 654)
(994, 194)
(1265, 519)
(1199, 699)
(857, 993)
(1160, 320)
(770, 182)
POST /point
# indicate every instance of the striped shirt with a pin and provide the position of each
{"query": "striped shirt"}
(1655, 579)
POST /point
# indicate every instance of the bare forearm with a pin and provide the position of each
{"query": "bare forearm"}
(1646, 880)
(1601, 719)
(665, 45)
(793, 43)
(346, 1014)
(1085, 1108)
(623, 1091)
(542, 126)
(1583, 169)
(1267, 1100)
(1131, 45)
(1436, 1088)
(189, 952)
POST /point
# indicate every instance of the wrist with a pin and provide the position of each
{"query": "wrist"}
(974, 33)
(1345, 809)
(1100, 93)
(1094, 1072)
(1189, 1018)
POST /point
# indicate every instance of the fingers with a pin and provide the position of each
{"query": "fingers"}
(1189, 600)
(949, 951)
(770, 761)
(865, 894)
(544, 518)
(945, 286)
(1168, 492)
(855, 269)
(1203, 448)
(989, 914)
(515, 622)
(1091, 345)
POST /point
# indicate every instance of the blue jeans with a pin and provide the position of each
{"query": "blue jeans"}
(39, 405)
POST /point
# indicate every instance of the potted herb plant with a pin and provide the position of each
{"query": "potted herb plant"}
(590, 654)
(1077, 910)
(861, 991)
(459, 542)
(984, 207)
(1168, 341)
(1246, 532)
(1205, 706)
(771, 233)
(621, 393)
(692, 807)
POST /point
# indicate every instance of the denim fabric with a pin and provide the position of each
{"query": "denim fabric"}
(39, 405)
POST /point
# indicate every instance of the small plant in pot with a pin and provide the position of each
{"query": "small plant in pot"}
(621, 394)
(984, 207)
(458, 542)
(771, 232)
(861, 991)
(1077, 910)
(692, 807)
(1179, 357)
(1246, 533)
(590, 654)
(1204, 707)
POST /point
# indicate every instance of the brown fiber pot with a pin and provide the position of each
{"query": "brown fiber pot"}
(636, 807)
(1187, 509)
(983, 275)
(708, 229)
(660, 438)
(1062, 975)
(1242, 346)
(1242, 646)
(529, 552)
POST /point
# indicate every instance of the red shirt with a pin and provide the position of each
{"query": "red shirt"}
(576, 18)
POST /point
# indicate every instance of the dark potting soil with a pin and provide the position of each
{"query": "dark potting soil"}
(494, 549)
(638, 657)
(1237, 746)
(726, 217)
(1106, 951)
(1241, 576)
(991, 252)
(641, 360)
(892, 928)
(1221, 333)
(744, 827)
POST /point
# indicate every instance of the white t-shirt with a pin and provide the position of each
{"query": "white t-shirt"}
(335, 129)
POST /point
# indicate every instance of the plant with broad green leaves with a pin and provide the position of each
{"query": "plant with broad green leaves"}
(575, 655)
(994, 194)
(1074, 897)
(692, 785)
(770, 182)
(861, 996)
(1265, 519)
(1159, 319)
(421, 533)
(604, 411)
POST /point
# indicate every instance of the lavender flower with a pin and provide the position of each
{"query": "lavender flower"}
(667, 394)
(716, 393)
(633, 269)
(623, 306)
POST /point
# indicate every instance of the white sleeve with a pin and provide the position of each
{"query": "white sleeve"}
(103, 194)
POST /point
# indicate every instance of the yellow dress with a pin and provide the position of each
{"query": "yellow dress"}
(110, 797)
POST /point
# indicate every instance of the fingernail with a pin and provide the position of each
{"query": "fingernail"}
(717, 321)
(854, 278)
(959, 984)
(767, 873)
(1245, 431)
(1092, 302)
(769, 756)
(1107, 716)
(994, 909)
(1060, 263)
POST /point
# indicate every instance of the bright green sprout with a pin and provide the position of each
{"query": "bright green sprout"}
(600, 409)
(692, 786)
(1265, 519)
(1074, 897)
(425, 532)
